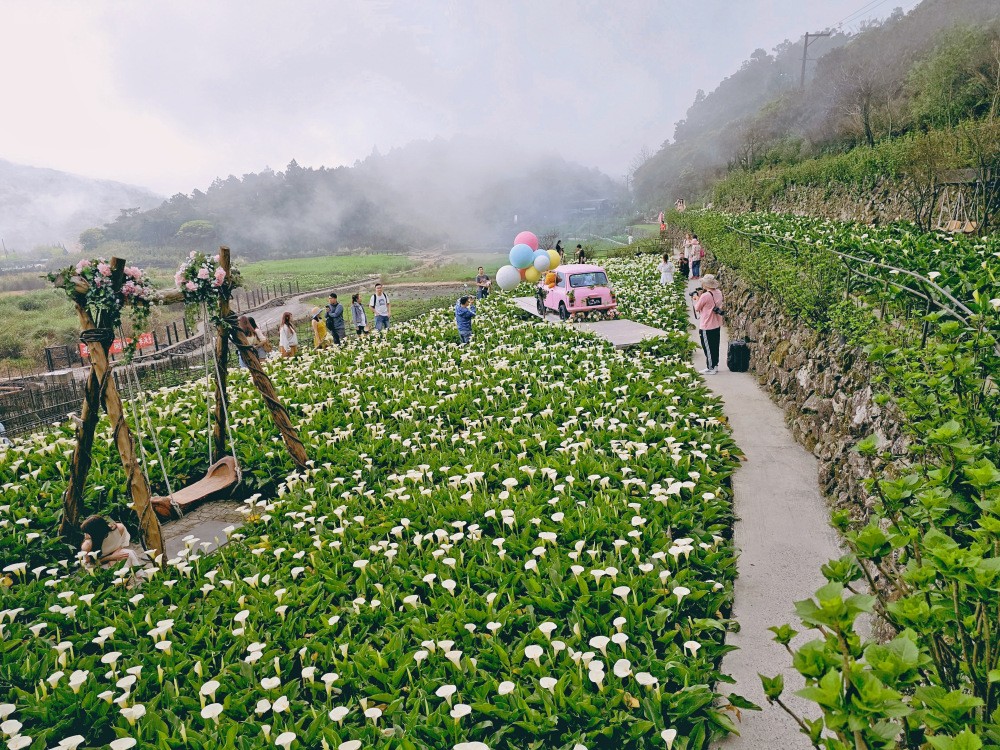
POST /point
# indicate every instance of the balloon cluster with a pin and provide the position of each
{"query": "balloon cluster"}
(527, 262)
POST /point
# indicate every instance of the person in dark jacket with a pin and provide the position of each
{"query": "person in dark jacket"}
(335, 319)
(465, 311)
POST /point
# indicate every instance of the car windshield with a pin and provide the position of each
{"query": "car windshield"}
(592, 278)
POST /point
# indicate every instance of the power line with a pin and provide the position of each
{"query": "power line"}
(866, 8)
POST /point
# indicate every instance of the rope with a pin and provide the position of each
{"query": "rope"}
(225, 415)
(208, 376)
(134, 385)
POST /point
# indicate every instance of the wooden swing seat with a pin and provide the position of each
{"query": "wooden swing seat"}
(219, 480)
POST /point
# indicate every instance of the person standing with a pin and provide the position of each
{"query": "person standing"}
(335, 319)
(260, 339)
(379, 303)
(708, 308)
(697, 253)
(319, 329)
(666, 269)
(561, 251)
(581, 256)
(288, 337)
(482, 284)
(358, 315)
(465, 311)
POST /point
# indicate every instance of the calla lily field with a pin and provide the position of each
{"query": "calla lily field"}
(520, 543)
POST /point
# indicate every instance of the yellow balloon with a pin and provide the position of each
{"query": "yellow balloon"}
(553, 259)
(531, 275)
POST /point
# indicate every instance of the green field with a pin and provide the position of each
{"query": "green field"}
(314, 273)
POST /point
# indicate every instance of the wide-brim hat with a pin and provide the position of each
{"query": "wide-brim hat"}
(708, 281)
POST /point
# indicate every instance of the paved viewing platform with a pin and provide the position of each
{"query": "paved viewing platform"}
(621, 332)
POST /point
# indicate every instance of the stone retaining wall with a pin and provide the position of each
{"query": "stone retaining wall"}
(822, 384)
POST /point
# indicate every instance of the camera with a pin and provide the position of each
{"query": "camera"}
(694, 293)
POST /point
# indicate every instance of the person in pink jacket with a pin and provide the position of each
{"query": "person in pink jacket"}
(708, 306)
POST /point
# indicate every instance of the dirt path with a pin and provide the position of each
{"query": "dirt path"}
(783, 536)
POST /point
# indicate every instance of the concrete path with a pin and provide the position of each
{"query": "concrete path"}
(619, 332)
(783, 536)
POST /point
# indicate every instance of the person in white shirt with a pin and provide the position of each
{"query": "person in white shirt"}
(288, 338)
(379, 303)
(106, 542)
(666, 269)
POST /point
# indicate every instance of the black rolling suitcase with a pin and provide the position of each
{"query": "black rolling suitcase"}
(738, 356)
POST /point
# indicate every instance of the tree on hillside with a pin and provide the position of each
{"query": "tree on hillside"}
(91, 238)
(960, 80)
(926, 158)
(196, 233)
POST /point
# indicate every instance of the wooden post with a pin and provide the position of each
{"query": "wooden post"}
(90, 412)
(222, 360)
(278, 413)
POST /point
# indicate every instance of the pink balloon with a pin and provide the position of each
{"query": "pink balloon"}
(527, 238)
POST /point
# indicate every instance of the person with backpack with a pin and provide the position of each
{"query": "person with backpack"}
(379, 303)
(465, 311)
(709, 310)
(335, 319)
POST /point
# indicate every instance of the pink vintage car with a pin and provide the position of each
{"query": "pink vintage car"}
(579, 288)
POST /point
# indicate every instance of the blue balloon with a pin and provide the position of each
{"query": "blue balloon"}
(521, 256)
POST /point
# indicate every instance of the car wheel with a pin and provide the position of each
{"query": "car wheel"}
(563, 312)
(541, 307)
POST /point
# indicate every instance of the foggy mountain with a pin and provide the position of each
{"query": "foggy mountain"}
(48, 207)
(456, 193)
(759, 114)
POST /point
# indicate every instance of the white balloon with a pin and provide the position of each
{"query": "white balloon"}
(508, 277)
(542, 262)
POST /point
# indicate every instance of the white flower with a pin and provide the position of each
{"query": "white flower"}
(600, 642)
(338, 714)
(467, 746)
(446, 692)
(71, 743)
(680, 592)
(270, 683)
(460, 710)
(123, 743)
(212, 711)
(646, 679)
(373, 713)
(285, 739)
(668, 736)
(533, 652)
(547, 628)
(548, 683)
(623, 668)
(10, 727)
(209, 688)
(692, 646)
(136, 712)
(506, 687)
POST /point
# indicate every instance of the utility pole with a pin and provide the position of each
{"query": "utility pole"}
(805, 50)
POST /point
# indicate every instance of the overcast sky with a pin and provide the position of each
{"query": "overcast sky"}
(169, 95)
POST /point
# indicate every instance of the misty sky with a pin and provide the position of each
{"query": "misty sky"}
(170, 95)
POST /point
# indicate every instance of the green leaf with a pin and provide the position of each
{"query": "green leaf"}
(773, 686)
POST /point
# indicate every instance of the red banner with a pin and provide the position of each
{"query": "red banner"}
(118, 346)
